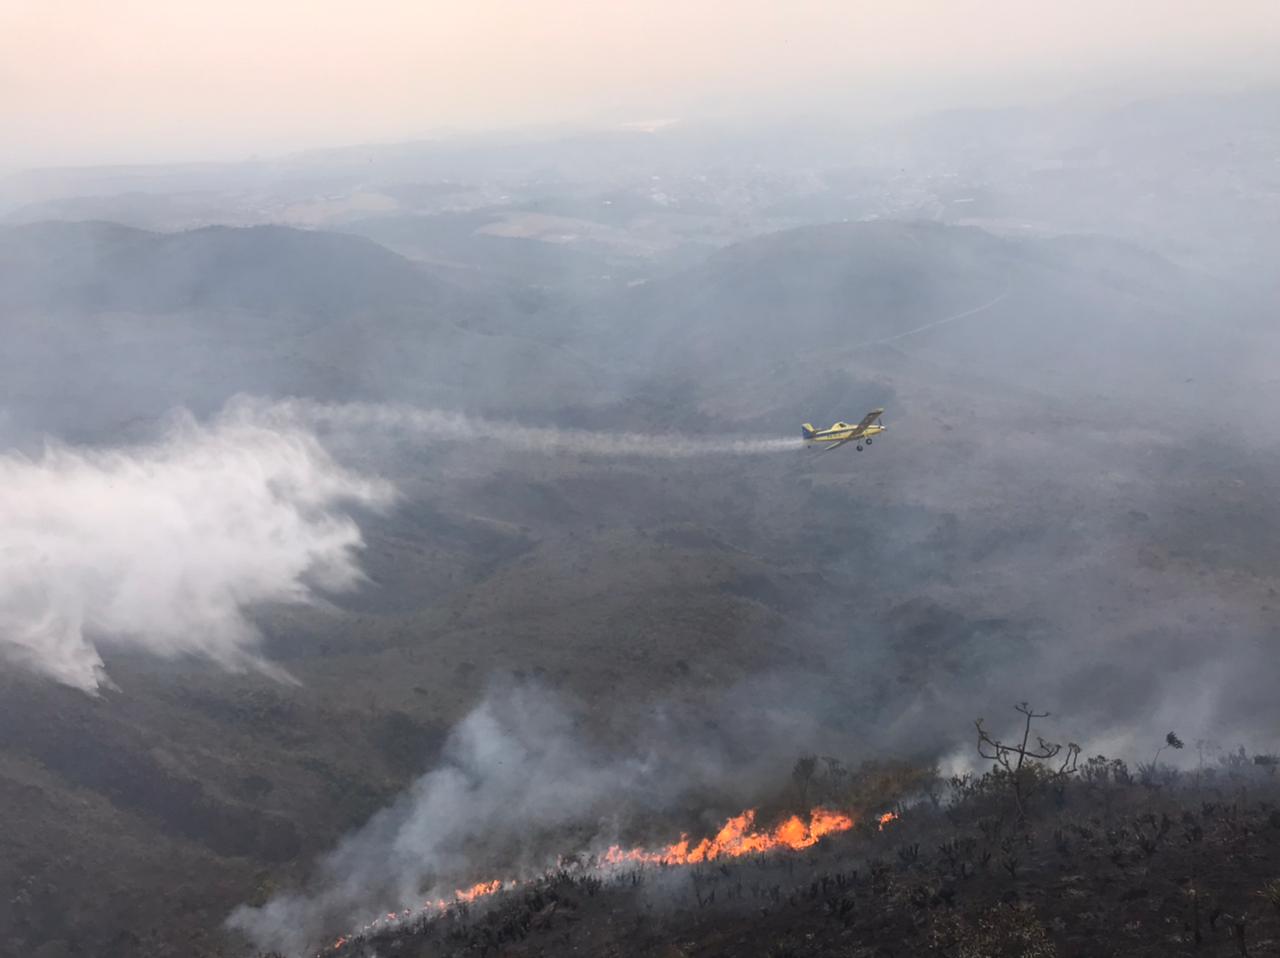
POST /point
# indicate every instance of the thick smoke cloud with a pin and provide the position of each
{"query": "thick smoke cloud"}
(165, 547)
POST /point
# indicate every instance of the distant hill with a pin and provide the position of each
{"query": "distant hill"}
(125, 322)
(922, 299)
(458, 242)
(104, 323)
(103, 267)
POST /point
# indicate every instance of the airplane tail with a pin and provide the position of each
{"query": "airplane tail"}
(807, 430)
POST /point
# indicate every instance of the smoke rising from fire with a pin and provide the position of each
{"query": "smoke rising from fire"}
(520, 782)
(512, 771)
(164, 547)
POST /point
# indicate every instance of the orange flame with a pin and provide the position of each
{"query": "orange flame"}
(886, 818)
(738, 837)
(478, 890)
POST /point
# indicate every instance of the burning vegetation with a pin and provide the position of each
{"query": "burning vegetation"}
(738, 837)
(1037, 857)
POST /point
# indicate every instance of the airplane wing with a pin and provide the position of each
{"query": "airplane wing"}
(837, 445)
(867, 420)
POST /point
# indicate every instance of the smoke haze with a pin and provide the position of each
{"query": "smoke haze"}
(84, 89)
(489, 534)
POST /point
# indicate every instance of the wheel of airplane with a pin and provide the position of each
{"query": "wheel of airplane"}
(859, 448)
(868, 442)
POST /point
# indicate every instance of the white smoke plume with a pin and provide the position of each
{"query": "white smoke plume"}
(436, 424)
(520, 782)
(511, 770)
(164, 547)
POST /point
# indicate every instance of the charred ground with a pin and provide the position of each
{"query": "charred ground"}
(1105, 862)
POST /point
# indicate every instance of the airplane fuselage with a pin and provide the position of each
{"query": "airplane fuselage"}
(842, 432)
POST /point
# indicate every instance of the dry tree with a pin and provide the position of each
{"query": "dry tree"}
(802, 775)
(1022, 765)
(1149, 774)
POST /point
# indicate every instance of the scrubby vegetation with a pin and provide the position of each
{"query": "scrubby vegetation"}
(1045, 854)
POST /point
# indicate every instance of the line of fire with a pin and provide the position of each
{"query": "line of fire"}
(737, 838)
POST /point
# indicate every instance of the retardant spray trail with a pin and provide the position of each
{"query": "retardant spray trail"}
(434, 424)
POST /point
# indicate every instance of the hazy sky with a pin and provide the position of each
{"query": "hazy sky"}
(85, 81)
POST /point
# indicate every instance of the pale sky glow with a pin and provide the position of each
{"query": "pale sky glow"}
(85, 81)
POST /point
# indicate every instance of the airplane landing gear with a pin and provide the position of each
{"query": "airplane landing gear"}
(859, 448)
(868, 442)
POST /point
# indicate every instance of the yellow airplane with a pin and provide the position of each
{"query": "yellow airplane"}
(842, 432)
